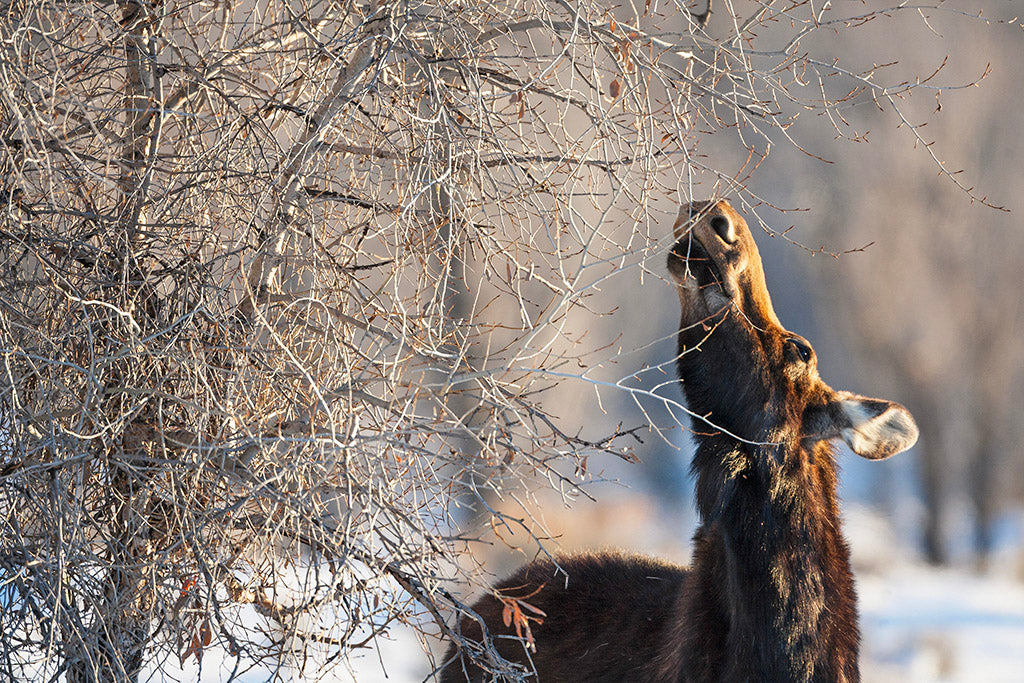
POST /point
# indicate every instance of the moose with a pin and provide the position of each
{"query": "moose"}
(770, 593)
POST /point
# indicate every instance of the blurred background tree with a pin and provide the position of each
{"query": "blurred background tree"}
(301, 302)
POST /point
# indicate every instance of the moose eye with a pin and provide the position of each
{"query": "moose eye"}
(802, 349)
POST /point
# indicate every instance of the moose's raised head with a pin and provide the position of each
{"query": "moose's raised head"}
(770, 595)
(741, 369)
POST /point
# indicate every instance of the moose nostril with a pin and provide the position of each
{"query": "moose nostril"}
(723, 226)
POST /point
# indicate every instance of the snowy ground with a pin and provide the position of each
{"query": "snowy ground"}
(919, 624)
(923, 624)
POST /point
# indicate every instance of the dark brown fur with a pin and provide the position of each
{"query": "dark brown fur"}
(770, 595)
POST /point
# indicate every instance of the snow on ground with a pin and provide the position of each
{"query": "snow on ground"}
(924, 624)
(919, 624)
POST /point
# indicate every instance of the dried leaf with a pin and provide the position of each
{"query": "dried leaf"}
(206, 633)
(624, 48)
(195, 648)
(614, 88)
(535, 610)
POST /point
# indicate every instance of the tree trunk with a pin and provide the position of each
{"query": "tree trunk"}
(114, 647)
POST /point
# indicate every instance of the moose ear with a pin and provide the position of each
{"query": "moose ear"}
(873, 428)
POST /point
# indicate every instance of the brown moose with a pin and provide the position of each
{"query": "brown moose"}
(770, 595)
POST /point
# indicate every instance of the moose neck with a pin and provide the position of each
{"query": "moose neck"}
(771, 529)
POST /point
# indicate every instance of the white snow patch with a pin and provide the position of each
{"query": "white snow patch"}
(925, 624)
(919, 624)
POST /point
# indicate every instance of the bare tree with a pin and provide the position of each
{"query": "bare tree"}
(932, 300)
(277, 275)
